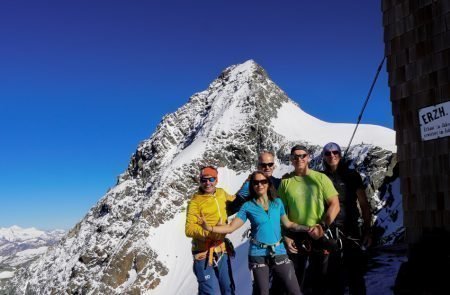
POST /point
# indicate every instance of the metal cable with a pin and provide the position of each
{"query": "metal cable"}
(365, 104)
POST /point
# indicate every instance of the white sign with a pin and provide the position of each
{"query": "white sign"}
(435, 121)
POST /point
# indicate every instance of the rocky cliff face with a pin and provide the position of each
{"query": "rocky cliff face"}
(116, 248)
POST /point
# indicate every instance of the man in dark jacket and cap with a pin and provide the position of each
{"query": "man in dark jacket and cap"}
(346, 267)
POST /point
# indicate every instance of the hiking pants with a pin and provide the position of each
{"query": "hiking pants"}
(214, 279)
(280, 267)
(347, 268)
(311, 276)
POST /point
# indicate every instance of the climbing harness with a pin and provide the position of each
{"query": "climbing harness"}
(269, 261)
(332, 241)
(271, 247)
(215, 251)
(353, 241)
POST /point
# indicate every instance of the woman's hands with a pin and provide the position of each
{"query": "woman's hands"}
(204, 224)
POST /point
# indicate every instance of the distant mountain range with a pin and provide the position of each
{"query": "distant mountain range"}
(132, 241)
(20, 246)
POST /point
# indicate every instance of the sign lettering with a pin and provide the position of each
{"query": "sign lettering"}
(435, 121)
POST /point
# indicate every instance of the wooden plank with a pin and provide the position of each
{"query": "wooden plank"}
(444, 6)
(443, 76)
(386, 5)
(443, 168)
(447, 20)
(410, 71)
(395, 92)
(443, 150)
(440, 201)
(445, 91)
(439, 218)
(438, 25)
(440, 60)
(447, 220)
(427, 219)
(447, 202)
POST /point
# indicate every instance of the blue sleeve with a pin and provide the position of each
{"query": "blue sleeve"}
(242, 214)
(244, 191)
(280, 203)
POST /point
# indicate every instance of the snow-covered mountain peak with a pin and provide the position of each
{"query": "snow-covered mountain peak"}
(242, 96)
(16, 233)
(242, 72)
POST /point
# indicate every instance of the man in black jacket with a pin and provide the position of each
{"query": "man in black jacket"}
(346, 267)
(266, 164)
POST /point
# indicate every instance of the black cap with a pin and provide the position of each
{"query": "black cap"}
(299, 147)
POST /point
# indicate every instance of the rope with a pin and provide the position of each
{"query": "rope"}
(365, 104)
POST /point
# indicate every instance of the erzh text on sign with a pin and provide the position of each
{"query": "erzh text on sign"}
(435, 121)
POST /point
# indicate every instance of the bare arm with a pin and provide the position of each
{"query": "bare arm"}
(317, 230)
(364, 205)
(293, 226)
(365, 211)
(332, 211)
(224, 229)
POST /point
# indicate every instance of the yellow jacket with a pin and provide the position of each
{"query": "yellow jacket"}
(213, 208)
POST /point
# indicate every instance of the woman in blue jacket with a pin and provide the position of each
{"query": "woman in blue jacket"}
(267, 252)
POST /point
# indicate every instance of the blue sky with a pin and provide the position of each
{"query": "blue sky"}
(83, 82)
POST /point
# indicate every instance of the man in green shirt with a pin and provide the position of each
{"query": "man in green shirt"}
(310, 199)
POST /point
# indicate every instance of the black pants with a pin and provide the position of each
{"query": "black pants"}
(280, 267)
(311, 277)
(347, 268)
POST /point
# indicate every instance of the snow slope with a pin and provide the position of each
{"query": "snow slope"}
(293, 123)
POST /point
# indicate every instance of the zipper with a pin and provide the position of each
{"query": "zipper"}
(218, 209)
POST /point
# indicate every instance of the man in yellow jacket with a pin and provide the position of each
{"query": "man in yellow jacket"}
(211, 262)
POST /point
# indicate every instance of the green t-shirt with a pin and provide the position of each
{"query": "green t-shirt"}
(304, 197)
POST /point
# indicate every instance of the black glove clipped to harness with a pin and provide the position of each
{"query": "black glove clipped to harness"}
(330, 241)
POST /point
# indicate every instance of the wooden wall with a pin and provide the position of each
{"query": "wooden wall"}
(417, 47)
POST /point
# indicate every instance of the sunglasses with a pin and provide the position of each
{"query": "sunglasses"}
(257, 182)
(328, 153)
(205, 179)
(265, 165)
(296, 157)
